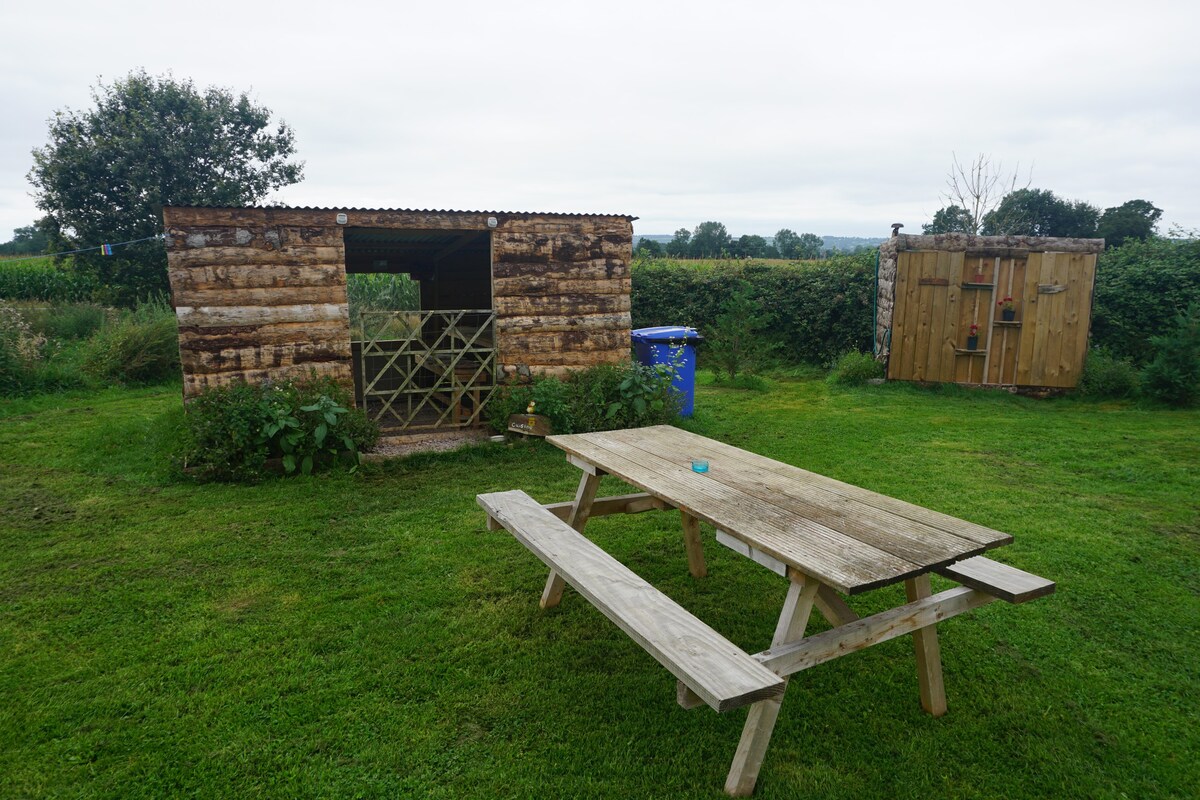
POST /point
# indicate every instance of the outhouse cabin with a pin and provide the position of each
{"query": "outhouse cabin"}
(423, 313)
(985, 310)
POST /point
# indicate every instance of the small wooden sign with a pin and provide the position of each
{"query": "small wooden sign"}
(934, 282)
(1051, 288)
(529, 424)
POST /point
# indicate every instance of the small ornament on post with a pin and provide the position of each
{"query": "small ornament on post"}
(1008, 309)
(973, 337)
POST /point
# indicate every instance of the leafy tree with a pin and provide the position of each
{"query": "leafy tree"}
(1174, 374)
(809, 247)
(735, 343)
(771, 252)
(149, 142)
(750, 246)
(648, 248)
(29, 240)
(787, 241)
(680, 245)
(709, 240)
(951, 219)
(1038, 212)
(1133, 219)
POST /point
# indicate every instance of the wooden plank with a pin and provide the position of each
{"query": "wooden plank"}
(928, 652)
(904, 334)
(714, 668)
(581, 510)
(219, 338)
(1087, 280)
(868, 631)
(924, 319)
(273, 296)
(939, 294)
(682, 441)
(239, 359)
(298, 255)
(950, 332)
(833, 558)
(635, 503)
(550, 323)
(603, 268)
(1001, 580)
(194, 383)
(1041, 309)
(989, 329)
(223, 316)
(1055, 307)
(1011, 337)
(562, 359)
(524, 286)
(1029, 333)
(833, 607)
(760, 722)
(554, 342)
(936, 281)
(255, 276)
(1075, 314)
(752, 553)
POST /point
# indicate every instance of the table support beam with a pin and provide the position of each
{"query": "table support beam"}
(589, 482)
(863, 633)
(929, 653)
(693, 546)
(760, 721)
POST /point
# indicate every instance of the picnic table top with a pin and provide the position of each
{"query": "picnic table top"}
(850, 538)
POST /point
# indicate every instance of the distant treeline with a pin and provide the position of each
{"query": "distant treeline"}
(713, 240)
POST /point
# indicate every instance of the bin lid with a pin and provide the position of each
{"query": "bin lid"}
(667, 333)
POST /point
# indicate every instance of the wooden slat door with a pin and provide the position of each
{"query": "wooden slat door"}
(939, 295)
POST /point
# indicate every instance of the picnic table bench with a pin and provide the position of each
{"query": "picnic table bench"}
(826, 537)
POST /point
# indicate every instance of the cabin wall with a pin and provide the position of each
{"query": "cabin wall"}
(261, 293)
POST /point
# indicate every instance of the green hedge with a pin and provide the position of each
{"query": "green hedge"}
(815, 310)
(1141, 287)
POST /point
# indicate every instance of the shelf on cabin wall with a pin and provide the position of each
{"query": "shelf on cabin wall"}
(969, 285)
(1008, 323)
(958, 351)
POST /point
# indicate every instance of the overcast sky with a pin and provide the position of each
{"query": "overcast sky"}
(831, 118)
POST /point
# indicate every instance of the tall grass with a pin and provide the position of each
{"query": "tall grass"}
(371, 293)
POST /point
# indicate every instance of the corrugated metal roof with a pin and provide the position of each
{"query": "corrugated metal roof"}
(405, 211)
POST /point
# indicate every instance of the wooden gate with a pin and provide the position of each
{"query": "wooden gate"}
(422, 370)
(940, 294)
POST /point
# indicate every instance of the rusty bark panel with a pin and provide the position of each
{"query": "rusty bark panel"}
(561, 305)
(524, 286)
(249, 256)
(240, 359)
(273, 296)
(194, 383)
(567, 359)
(222, 316)
(596, 268)
(567, 322)
(214, 339)
(254, 276)
(574, 341)
(544, 248)
(259, 237)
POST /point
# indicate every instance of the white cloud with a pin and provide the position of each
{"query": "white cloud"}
(835, 119)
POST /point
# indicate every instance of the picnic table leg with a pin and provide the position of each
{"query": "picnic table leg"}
(584, 495)
(695, 549)
(929, 653)
(760, 722)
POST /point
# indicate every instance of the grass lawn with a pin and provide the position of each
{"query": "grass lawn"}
(364, 636)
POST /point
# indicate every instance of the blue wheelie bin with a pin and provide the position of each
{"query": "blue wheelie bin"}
(674, 346)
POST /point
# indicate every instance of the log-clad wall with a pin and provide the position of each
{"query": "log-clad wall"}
(261, 292)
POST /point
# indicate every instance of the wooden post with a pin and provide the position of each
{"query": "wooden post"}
(589, 482)
(693, 545)
(929, 653)
(760, 722)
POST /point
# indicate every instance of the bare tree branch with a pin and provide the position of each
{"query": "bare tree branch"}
(978, 187)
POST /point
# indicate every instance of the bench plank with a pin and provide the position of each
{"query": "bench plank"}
(715, 669)
(999, 580)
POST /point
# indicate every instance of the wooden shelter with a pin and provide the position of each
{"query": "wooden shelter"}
(931, 290)
(262, 293)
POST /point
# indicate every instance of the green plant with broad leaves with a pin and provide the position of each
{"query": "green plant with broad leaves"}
(645, 393)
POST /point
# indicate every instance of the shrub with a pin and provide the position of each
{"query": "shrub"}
(1140, 288)
(20, 352)
(599, 398)
(1173, 376)
(138, 347)
(68, 321)
(815, 310)
(231, 431)
(735, 342)
(1107, 377)
(42, 279)
(855, 369)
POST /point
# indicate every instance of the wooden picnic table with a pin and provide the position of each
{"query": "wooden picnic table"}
(828, 538)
